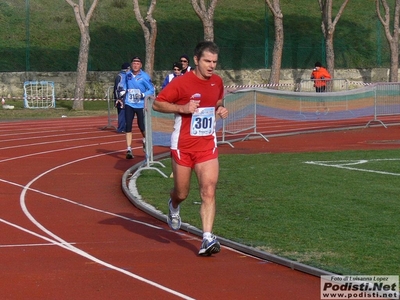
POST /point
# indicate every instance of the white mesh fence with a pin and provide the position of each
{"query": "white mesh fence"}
(158, 127)
(112, 117)
(242, 118)
(249, 108)
(387, 101)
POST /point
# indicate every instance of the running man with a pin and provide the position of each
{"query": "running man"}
(137, 85)
(196, 99)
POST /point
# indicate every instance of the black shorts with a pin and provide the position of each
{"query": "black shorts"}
(130, 115)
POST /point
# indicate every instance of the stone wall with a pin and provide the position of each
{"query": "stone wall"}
(99, 83)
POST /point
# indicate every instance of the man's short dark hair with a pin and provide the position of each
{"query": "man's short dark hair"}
(205, 46)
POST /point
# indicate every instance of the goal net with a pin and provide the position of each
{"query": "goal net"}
(39, 94)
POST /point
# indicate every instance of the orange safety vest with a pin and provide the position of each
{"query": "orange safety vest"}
(321, 73)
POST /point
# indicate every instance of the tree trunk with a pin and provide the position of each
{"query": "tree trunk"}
(149, 26)
(208, 30)
(81, 71)
(328, 29)
(330, 54)
(278, 44)
(394, 61)
(392, 38)
(83, 21)
(206, 15)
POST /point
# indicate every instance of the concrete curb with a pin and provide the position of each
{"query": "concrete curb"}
(130, 190)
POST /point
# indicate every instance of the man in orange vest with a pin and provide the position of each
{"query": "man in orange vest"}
(320, 75)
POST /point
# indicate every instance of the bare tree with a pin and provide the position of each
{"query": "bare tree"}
(83, 22)
(149, 26)
(328, 29)
(206, 14)
(392, 38)
(275, 8)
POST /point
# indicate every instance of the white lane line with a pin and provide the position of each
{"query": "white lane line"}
(80, 204)
(57, 141)
(65, 149)
(69, 247)
(59, 124)
(64, 244)
(57, 135)
(344, 164)
(27, 245)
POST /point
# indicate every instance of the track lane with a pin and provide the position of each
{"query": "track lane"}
(72, 176)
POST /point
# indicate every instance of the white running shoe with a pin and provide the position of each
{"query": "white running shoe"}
(174, 220)
(209, 247)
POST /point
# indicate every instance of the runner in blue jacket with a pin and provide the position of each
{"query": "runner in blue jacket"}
(137, 86)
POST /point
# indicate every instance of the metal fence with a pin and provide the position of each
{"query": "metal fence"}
(332, 85)
(387, 101)
(242, 118)
(111, 110)
(318, 101)
(248, 108)
(158, 127)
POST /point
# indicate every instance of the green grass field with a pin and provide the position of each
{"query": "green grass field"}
(335, 213)
(44, 36)
(63, 108)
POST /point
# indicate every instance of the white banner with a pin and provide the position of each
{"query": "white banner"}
(359, 287)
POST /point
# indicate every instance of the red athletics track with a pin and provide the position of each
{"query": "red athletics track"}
(69, 232)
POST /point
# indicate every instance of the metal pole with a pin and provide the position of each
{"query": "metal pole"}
(266, 45)
(27, 10)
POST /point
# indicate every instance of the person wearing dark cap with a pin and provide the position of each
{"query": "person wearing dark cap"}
(185, 61)
(137, 85)
(320, 76)
(119, 96)
(177, 68)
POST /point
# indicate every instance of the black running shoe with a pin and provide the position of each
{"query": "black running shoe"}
(129, 154)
